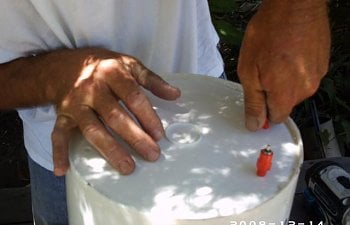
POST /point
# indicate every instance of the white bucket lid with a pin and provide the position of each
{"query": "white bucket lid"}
(208, 167)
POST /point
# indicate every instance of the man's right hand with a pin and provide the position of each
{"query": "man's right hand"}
(87, 86)
(284, 56)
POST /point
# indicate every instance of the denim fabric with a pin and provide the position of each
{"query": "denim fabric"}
(223, 76)
(48, 196)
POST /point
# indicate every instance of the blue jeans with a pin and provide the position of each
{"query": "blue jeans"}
(49, 203)
(223, 76)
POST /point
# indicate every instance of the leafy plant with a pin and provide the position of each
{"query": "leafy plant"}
(230, 19)
(221, 12)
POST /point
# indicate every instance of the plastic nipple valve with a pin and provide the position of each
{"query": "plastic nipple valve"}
(266, 124)
(264, 162)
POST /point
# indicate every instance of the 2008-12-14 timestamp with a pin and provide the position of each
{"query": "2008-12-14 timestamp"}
(274, 223)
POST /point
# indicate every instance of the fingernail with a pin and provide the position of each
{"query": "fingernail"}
(158, 134)
(252, 123)
(152, 155)
(177, 89)
(125, 167)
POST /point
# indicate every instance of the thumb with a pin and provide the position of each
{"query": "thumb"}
(255, 108)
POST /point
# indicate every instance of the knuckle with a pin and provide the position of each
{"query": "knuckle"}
(254, 107)
(55, 136)
(130, 60)
(136, 143)
(136, 68)
(253, 110)
(91, 130)
(115, 117)
(111, 67)
(60, 129)
(135, 98)
(107, 64)
(311, 87)
(111, 153)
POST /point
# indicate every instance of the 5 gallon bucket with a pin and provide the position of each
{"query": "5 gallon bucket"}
(206, 174)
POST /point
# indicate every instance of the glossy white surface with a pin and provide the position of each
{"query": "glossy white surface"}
(206, 173)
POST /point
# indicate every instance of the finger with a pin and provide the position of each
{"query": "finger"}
(128, 90)
(254, 95)
(284, 93)
(115, 116)
(97, 135)
(155, 83)
(280, 105)
(60, 137)
(255, 108)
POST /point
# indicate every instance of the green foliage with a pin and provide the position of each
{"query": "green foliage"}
(222, 6)
(227, 32)
(221, 13)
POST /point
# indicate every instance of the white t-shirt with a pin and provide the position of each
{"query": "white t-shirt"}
(166, 35)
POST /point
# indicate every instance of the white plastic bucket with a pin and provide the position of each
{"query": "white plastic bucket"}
(206, 174)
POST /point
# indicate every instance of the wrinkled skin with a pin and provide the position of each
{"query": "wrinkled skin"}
(86, 86)
(284, 55)
(86, 98)
(105, 79)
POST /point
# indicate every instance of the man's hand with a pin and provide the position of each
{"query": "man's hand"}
(87, 86)
(284, 55)
(93, 96)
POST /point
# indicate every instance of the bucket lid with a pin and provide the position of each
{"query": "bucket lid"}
(207, 167)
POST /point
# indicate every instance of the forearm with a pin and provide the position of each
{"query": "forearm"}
(86, 85)
(295, 11)
(35, 80)
(22, 84)
(292, 23)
